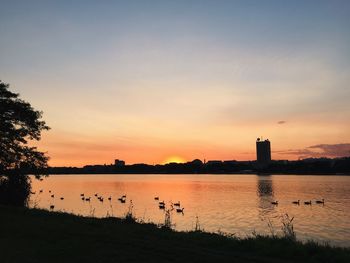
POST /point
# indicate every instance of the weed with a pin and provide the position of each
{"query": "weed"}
(271, 228)
(167, 220)
(197, 227)
(92, 211)
(129, 216)
(288, 228)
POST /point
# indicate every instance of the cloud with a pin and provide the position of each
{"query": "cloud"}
(320, 150)
(281, 122)
(341, 149)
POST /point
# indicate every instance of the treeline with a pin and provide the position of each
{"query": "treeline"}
(306, 166)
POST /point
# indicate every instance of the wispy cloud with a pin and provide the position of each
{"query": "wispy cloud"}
(320, 150)
(281, 122)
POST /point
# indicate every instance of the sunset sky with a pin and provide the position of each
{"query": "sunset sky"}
(145, 81)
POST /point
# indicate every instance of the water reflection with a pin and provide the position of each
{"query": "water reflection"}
(266, 196)
(236, 204)
(265, 187)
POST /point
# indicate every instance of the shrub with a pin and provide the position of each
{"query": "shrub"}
(15, 190)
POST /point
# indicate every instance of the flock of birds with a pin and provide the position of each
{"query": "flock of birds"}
(122, 199)
(100, 198)
(173, 206)
(305, 202)
(84, 198)
(161, 204)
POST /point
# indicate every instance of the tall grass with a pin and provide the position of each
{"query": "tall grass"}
(197, 227)
(129, 216)
(288, 227)
(168, 220)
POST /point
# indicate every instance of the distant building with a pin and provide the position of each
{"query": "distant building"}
(263, 152)
(118, 162)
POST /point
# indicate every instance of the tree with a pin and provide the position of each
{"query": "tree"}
(19, 125)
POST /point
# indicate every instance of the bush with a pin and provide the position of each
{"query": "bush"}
(15, 190)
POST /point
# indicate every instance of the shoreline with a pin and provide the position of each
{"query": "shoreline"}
(35, 235)
(242, 173)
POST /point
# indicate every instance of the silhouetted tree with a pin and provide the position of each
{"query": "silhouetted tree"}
(19, 124)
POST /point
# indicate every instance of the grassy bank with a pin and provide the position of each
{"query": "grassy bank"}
(31, 235)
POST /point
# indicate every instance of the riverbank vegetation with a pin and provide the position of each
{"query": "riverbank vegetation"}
(33, 235)
(315, 166)
(20, 125)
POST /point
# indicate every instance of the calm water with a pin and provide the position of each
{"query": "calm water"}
(237, 204)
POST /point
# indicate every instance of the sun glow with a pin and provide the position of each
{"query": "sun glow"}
(174, 159)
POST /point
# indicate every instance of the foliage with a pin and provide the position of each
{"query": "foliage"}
(197, 227)
(167, 219)
(14, 190)
(288, 227)
(69, 238)
(129, 216)
(19, 125)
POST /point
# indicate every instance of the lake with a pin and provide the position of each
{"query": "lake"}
(236, 204)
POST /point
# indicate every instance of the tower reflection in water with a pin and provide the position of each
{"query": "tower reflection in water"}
(265, 196)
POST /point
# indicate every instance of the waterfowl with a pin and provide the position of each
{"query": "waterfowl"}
(87, 199)
(156, 198)
(110, 198)
(83, 198)
(81, 194)
(296, 202)
(40, 191)
(62, 198)
(274, 202)
(161, 203)
(161, 206)
(307, 202)
(320, 201)
(180, 210)
(177, 204)
(52, 196)
(52, 207)
(122, 199)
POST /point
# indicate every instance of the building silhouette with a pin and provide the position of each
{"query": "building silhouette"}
(118, 162)
(263, 152)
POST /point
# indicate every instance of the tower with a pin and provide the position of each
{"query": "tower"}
(263, 152)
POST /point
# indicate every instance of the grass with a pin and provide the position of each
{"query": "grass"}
(33, 235)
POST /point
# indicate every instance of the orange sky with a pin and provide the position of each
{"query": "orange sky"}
(223, 143)
(193, 79)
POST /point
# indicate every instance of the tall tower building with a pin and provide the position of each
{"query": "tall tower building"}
(263, 152)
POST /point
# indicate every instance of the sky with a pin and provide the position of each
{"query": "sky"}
(153, 81)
